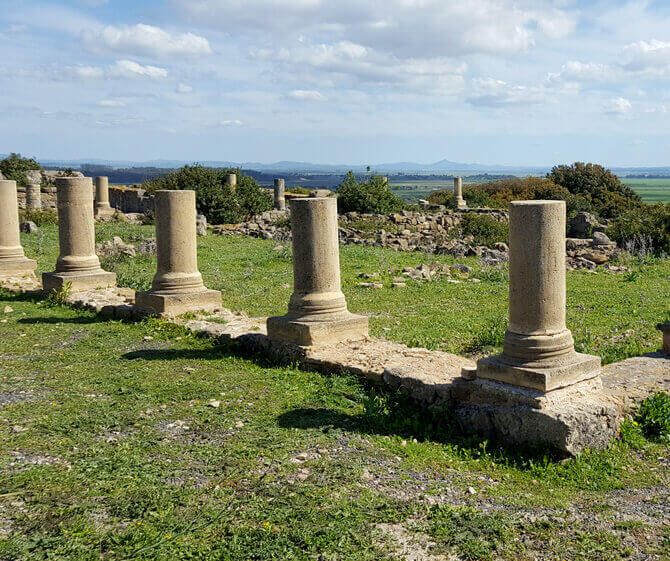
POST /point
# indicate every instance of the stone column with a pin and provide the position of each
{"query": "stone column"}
(34, 196)
(77, 263)
(458, 193)
(13, 261)
(317, 311)
(280, 199)
(102, 206)
(177, 287)
(538, 349)
(231, 181)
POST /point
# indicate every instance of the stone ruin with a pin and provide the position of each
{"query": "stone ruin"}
(538, 391)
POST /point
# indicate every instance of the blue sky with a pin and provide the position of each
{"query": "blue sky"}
(516, 82)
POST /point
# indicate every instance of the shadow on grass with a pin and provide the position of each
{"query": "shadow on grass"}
(395, 414)
(57, 320)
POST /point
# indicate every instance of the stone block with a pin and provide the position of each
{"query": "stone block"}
(351, 327)
(79, 281)
(176, 304)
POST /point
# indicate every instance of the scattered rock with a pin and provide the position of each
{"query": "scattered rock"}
(599, 238)
(28, 227)
(214, 403)
(147, 247)
(201, 225)
(581, 225)
(114, 248)
(8, 309)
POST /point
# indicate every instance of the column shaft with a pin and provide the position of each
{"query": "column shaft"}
(34, 196)
(10, 238)
(280, 194)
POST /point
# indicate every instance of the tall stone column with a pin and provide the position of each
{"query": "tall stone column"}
(34, 196)
(317, 311)
(538, 349)
(177, 287)
(13, 261)
(231, 181)
(77, 263)
(280, 192)
(458, 193)
(102, 206)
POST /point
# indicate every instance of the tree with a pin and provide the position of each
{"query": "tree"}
(15, 166)
(372, 196)
(599, 187)
(214, 198)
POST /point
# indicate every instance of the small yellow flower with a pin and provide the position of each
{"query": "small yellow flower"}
(168, 536)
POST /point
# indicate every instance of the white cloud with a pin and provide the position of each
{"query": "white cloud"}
(131, 69)
(307, 95)
(650, 57)
(184, 89)
(231, 123)
(618, 106)
(488, 92)
(112, 103)
(124, 69)
(583, 72)
(144, 40)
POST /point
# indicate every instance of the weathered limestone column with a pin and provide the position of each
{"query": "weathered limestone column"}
(77, 263)
(177, 286)
(13, 261)
(317, 311)
(231, 181)
(458, 193)
(280, 192)
(102, 206)
(538, 350)
(34, 196)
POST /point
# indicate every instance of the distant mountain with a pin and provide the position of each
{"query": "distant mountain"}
(442, 166)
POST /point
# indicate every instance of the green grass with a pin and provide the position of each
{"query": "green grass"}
(293, 465)
(652, 190)
(613, 316)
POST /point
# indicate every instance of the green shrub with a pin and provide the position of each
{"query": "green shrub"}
(39, 217)
(216, 200)
(648, 226)
(371, 196)
(653, 416)
(597, 187)
(14, 167)
(299, 190)
(474, 195)
(485, 229)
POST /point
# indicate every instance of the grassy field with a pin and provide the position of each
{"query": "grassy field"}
(651, 190)
(110, 448)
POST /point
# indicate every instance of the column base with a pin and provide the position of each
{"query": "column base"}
(175, 304)
(17, 267)
(461, 204)
(104, 211)
(310, 333)
(575, 367)
(79, 282)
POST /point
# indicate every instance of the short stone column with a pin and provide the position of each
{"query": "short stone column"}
(458, 193)
(231, 181)
(78, 266)
(538, 349)
(280, 194)
(102, 206)
(177, 287)
(13, 261)
(317, 311)
(34, 196)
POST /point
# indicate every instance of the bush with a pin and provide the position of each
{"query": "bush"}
(653, 416)
(648, 226)
(485, 229)
(597, 187)
(14, 167)
(216, 200)
(39, 217)
(371, 196)
(299, 190)
(474, 195)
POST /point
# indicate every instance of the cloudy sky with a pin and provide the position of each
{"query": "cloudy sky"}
(527, 82)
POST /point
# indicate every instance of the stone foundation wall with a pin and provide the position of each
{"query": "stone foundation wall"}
(130, 199)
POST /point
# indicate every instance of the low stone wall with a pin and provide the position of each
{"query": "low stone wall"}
(48, 197)
(130, 199)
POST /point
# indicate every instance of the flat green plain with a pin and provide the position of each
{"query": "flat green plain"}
(652, 190)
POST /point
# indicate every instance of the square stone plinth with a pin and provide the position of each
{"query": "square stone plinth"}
(79, 282)
(17, 267)
(104, 211)
(310, 333)
(576, 367)
(175, 304)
